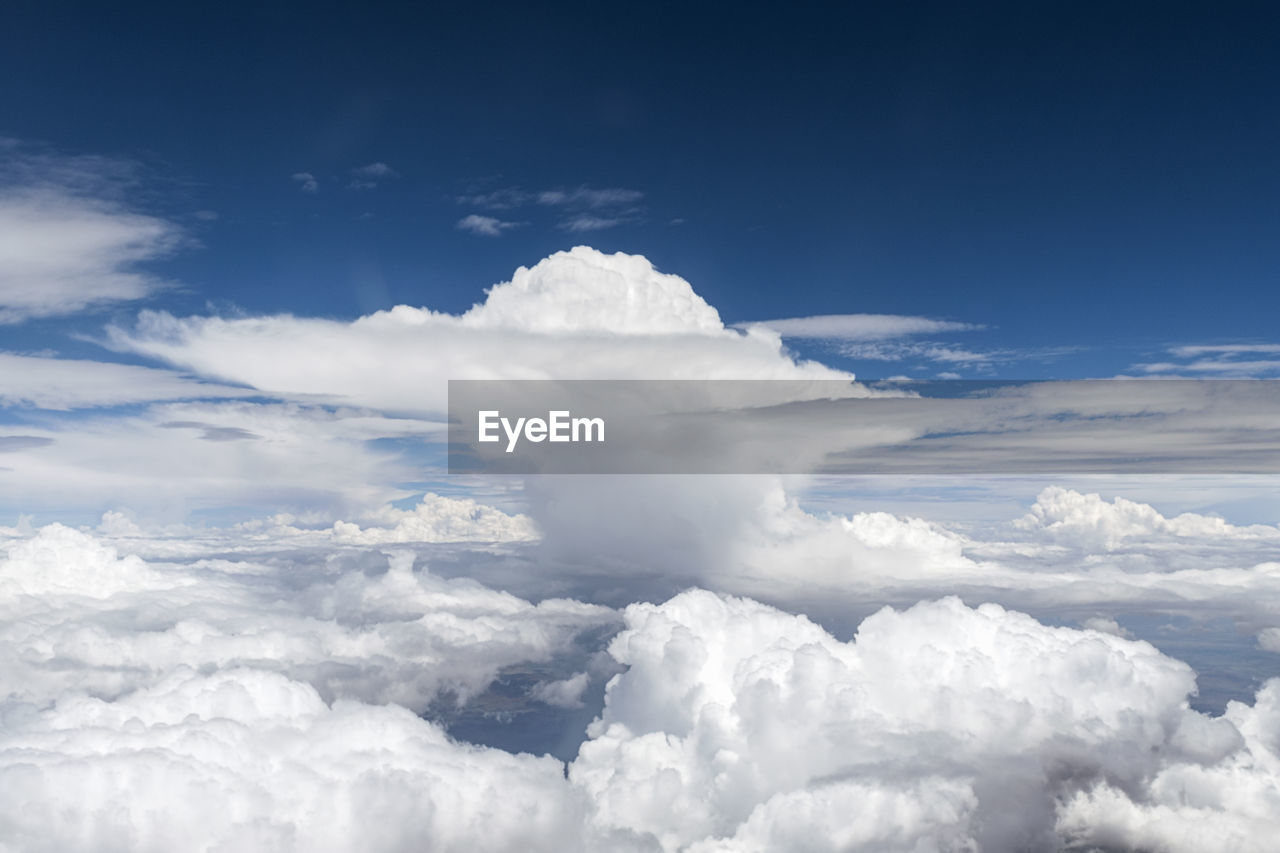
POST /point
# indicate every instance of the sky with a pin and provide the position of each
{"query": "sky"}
(1089, 184)
(244, 604)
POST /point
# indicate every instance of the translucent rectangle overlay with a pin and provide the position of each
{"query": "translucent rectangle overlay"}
(1115, 426)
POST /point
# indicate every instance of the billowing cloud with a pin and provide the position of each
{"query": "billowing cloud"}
(737, 727)
(79, 617)
(243, 759)
(258, 698)
(1089, 520)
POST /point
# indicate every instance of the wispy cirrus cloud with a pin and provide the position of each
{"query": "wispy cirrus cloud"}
(583, 209)
(1228, 361)
(69, 240)
(505, 198)
(588, 197)
(584, 222)
(485, 226)
(861, 327)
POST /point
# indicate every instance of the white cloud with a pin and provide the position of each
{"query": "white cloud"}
(67, 241)
(306, 182)
(58, 383)
(566, 693)
(589, 222)
(964, 728)
(79, 617)
(438, 519)
(228, 695)
(1090, 521)
(487, 226)
(1228, 361)
(249, 760)
(1225, 349)
(174, 458)
(861, 327)
(576, 314)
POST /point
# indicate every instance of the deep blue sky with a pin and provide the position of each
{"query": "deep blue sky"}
(1073, 174)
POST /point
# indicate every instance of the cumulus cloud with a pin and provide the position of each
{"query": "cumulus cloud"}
(486, 226)
(739, 727)
(80, 617)
(228, 695)
(438, 519)
(249, 760)
(1089, 520)
(68, 240)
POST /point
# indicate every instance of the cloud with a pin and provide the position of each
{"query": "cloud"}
(375, 171)
(304, 458)
(78, 617)
(566, 693)
(1225, 349)
(588, 222)
(1088, 520)
(591, 198)
(250, 760)
(587, 209)
(64, 383)
(861, 327)
(1230, 361)
(239, 697)
(306, 182)
(68, 240)
(486, 226)
(506, 198)
(593, 209)
(368, 177)
(961, 728)
(576, 314)
(438, 519)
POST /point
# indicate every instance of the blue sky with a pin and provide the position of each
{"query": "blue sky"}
(1089, 184)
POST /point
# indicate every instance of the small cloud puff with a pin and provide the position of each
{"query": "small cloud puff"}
(486, 226)
(306, 182)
